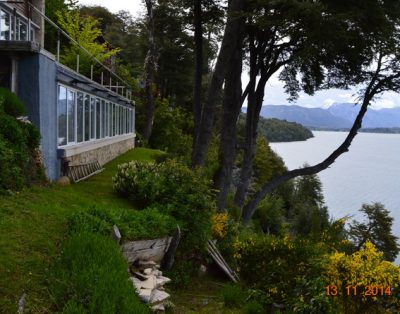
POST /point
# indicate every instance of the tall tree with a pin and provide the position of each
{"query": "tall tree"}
(228, 46)
(149, 74)
(198, 75)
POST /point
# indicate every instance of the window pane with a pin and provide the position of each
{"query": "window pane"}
(133, 120)
(120, 120)
(4, 25)
(87, 117)
(62, 115)
(79, 117)
(98, 118)
(92, 118)
(103, 118)
(71, 115)
(107, 119)
(115, 119)
(23, 31)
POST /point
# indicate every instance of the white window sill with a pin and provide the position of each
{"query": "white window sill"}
(79, 148)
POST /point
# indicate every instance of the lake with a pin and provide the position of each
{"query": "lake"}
(369, 172)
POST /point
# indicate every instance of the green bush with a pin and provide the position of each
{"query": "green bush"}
(18, 146)
(10, 103)
(173, 189)
(134, 225)
(253, 307)
(172, 130)
(233, 296)
(288, 271)
(92, 278)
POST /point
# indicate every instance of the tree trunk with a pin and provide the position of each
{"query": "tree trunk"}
(255, 98)
(149, 75)
(229, 40)
(232, 105)
(198, 46)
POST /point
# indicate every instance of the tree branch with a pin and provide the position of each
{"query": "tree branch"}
(369, 93)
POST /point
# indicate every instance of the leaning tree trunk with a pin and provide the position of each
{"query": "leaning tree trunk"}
(377, 85)
(232, 104)
(150, 68)
(198, 46)
(229, 40)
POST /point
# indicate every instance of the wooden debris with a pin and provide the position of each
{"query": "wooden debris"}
(220, 261)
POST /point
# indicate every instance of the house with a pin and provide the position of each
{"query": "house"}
(81, 120)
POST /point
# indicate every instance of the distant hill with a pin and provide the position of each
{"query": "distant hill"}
(337, 116)
(278, 130)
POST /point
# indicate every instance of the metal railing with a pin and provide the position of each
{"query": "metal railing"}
(115, 82)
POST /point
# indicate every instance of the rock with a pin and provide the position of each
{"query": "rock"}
(146, 264)
(115, 234)
(150, 283)
(158, 307)
(136, 283)
(145, 295)
(202, 270)
(157, 272)
(64, 181)
(161, 281)
(148, 271)
(140, 276)
(158, 296)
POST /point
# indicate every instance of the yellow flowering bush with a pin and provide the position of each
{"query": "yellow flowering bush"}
(287, 271)
(219, 225)
(355, 275)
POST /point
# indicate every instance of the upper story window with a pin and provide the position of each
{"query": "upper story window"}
(15, 27)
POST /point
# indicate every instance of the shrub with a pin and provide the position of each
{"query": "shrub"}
(233, 296)
(92, 278)
(10, 103)
(134, 225)
(289, 272)
(365, 267)
(19, 142)
(173, 189)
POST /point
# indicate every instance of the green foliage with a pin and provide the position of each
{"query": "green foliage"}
(18, 145)
(270, 215)
(288, 271)
(85, 31)
(10, 103)
(253, 307)
(233, 296)
(377, 229)
(309, 216)
(92, 278)
(175, 190)
(134, 225)
(181, 272)
(172, 130)
(275, 130)
(267, 163)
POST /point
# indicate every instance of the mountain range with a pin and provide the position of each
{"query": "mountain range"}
(337, 116)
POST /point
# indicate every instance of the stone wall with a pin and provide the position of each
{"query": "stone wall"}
(103, 154)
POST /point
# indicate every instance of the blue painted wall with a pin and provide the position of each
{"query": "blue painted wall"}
(37, 88)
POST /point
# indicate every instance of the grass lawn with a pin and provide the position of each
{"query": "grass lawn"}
(33, 225)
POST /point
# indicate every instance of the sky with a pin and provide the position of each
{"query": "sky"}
(275, 94)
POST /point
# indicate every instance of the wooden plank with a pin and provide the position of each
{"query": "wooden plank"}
(145, 244)
(153, 250)
(220, 261)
